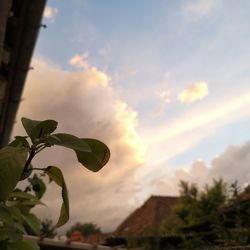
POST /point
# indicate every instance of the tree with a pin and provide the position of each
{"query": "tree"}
(214, 215)
(16, 158)
(197, 210)
(86, 229)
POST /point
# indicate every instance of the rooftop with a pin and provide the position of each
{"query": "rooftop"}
(147, 217)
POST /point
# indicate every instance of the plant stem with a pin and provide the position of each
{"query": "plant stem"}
(40, 146)
(31, 156)
(39, 149)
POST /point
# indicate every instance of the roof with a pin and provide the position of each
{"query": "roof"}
(20, 22)
(147, 217)
(76, 236)
(245, 195)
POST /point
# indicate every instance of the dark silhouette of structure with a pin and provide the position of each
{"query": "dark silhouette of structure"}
(20, 22)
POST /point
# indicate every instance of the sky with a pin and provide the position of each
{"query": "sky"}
(165, 84)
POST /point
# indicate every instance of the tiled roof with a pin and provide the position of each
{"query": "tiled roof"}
(147, 217)
(241, 198)
(245, 195)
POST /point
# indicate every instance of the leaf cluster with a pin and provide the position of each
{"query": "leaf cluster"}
(16, 158)
(47, 228)
(197, 210)
(215, 215)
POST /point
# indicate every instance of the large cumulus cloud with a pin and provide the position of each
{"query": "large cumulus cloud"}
(85, 104)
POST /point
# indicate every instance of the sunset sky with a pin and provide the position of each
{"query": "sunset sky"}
(165, 84)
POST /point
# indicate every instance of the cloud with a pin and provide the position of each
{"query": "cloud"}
(85, 104)
(165, 96)
(232, 164)
(50, 13)
(183, 133)
(194, 92)
(85, 99)
(196, 9)
(80, 61)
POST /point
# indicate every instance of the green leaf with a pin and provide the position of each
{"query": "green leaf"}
(29, 125)
(43, 129)
(38, 186)
(31, 203)
(16, 213)
(68, 141)
(25, 198)
(33, 222)
(5, 215)
(12, 161)
(91, 153)
(38, 129)
(23, 195)
(12, 218)
(19, 228)
(3, 242)
(97, 158)
(56, 175)
(12, 232)
(24, 244)
(19, 141)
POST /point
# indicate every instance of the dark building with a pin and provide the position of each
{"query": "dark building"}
(20, 22)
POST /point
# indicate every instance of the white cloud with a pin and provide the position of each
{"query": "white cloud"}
(50, 13)
(165, 96)
(184, 132)
(196, 9)
(194, 92)
(85, 104)
(80, 61)
(232, 164)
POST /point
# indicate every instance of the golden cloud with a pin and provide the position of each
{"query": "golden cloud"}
(50, 12)
(194, 92)
(80, 61)
(85, 104)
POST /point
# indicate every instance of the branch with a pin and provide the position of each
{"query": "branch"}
(28, 162)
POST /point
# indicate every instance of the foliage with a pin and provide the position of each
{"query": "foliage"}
(16, 158)
(47, 229)
(216, 215)
(172, 224)
(197, 210)
(201, 209)
(37, 185)
(86, 229)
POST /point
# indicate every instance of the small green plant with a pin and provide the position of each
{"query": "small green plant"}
(16, 158)
(47, 228)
